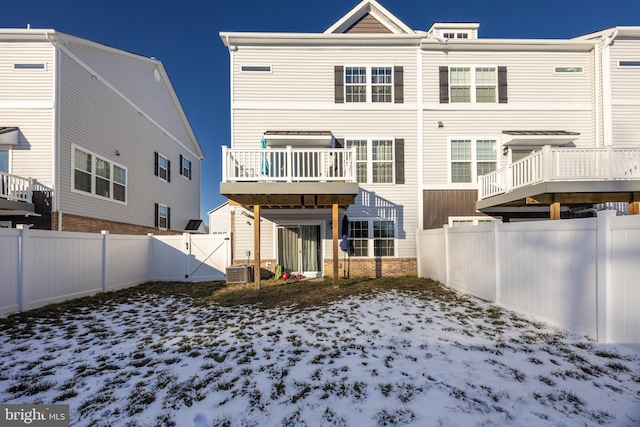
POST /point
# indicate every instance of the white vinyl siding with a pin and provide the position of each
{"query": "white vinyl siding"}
(97, 119)
(625, 93)
(285, 85)
(27, 101)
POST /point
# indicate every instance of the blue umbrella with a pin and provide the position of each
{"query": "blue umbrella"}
(344, 244)
(264, 165)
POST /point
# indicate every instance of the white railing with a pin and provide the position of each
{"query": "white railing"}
(562, 164)
(288, 164)
(18, 188)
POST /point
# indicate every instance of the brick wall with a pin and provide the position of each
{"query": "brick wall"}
(93, 225)
(376, 267)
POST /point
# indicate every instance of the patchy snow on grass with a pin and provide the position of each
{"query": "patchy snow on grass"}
(388, 358)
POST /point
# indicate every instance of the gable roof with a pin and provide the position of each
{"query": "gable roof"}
(371, 17)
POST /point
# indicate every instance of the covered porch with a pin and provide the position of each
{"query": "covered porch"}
(564, 176)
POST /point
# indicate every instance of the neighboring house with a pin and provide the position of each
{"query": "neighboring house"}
(220, 219)
(416, 119)
(92, 138)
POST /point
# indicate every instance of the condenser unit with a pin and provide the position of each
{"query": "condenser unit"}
(239, 274)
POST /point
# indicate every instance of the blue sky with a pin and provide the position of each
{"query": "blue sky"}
(183, 34)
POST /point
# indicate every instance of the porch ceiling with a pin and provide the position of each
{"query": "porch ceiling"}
(290, 195)
(565, 193)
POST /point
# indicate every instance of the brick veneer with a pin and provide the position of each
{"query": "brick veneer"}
(376, 267)
(93, 225)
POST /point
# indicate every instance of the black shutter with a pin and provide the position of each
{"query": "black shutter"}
(168, 218)
(155, 216)
(444, 85)
(181, 164)
(156, 163)
(502, 85)
(339, 84)
(398, 85)
(168, 170)
(189, 170)
(399, 159)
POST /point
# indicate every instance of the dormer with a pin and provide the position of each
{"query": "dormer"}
(369, 17)
(454, 30)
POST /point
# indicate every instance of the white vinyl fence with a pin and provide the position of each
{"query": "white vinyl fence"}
(39, 267)
(582, 274)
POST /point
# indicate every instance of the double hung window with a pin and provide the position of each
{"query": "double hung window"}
(473, 84)
(371, 237)
(471, 158)
(368, 84)
(95, 175)
(374, 160)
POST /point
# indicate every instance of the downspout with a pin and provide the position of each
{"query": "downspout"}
(597, 85)
(420, 140)
(606, 89)
(55, 200)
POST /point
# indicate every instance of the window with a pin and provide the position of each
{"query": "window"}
(95, 175)
(563, 70)
(465, 221)
(185, 167)
(355, 82)
(28, 66)
(449, 35)
(162, 167)
(368, 237)
(374, 160)
(629, 63)
(162, 216)
(375, 88)
(473, 84)
(256, 68)
(381, 84)
(471, 158)
(462, 35)
(4, 161)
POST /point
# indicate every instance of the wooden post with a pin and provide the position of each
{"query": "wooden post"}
(334, 221)
(256, 245)
(634, 205)
(555, 210)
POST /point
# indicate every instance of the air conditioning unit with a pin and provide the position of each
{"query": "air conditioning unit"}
(239, 273)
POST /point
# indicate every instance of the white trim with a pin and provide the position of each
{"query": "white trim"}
(377, 11)
(528, 106)
(474, 161)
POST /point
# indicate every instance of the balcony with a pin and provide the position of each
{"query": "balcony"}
(571, 176)
(287, 177)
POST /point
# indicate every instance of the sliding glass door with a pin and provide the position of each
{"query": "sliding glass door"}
(299, 249)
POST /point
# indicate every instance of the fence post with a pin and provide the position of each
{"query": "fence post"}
(187, 255)
(150, 235)
(496, 261)
(446, 254)
(23, 239)
(603, 274)
(105, 237)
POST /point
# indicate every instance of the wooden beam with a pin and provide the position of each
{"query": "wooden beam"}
(634, 208)
(555, 210)
(256, 246)
(334, 219)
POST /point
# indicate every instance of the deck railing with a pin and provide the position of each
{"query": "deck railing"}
(288, 164)
(18, 188)
(562, 164)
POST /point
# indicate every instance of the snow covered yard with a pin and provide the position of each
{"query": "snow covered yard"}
(388, 357)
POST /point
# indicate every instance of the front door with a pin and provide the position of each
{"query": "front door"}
(299, 249)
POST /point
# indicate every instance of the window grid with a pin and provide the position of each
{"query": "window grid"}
(378, 235)
(374, 160)
(355, 84)
(381, 80)
(94, 175)
(473, 85)
(186, 167)
(472, 158)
